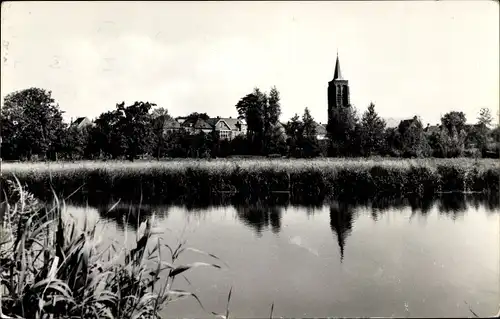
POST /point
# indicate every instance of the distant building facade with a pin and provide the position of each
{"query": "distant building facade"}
(228, 128)
(224, 127)
(321, 133)
(81, 123)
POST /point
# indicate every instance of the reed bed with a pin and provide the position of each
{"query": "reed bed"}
(51, 269)
(261, 177)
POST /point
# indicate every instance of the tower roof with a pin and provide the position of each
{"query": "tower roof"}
(338, 74)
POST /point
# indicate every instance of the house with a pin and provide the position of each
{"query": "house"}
(195, 126)
(391, 122)
(181, 119)
(228, 128)
(321, 133)
(80, 123)
(281, 128)
(404, 125)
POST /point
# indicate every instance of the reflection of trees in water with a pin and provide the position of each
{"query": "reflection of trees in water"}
(341, 220)
(309, 205)
(260, 213)
(456, 204)
(489, 202)
(453, 204)
(260, 216)
(423, 205)
(130, 216)
(379, 205)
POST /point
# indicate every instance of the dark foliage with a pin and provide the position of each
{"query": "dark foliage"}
(32, 128)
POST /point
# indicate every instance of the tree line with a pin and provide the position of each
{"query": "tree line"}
(32, 127)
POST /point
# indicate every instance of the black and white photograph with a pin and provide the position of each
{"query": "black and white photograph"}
(249, 159)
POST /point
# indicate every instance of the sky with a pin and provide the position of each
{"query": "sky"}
(421, 58)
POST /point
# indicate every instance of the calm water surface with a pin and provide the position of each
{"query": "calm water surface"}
(337, 259)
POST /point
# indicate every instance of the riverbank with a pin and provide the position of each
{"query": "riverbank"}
(308, 179)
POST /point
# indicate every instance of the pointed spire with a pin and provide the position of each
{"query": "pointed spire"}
(338, 74)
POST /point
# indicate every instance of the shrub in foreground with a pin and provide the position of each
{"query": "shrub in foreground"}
(52, 269)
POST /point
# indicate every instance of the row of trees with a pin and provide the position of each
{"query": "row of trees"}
(452, 138)
(32, 127)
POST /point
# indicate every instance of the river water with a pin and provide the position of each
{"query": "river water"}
(333, 259)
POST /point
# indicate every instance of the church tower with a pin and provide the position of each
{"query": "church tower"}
(338, 89)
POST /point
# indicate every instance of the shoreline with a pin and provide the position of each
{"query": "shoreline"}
(307, 179)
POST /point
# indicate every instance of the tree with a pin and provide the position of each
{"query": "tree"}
(393, 142)
(135, 126)
(453, 134)
(239, 145)
(195, 116)
(343, 131)
(274, 108)
(262, 114)
(31, 124)
(294, 127)
(271, 113)
(294, 130)
(309, 144)
(485, 117)
(495, 134)
(125, 131)
(478, 135)
(277, 140)
(412, 140)
(454, 119)
(105, 137)
(158, 128)
(309, 126)
(372, 132)
(253, 108)
(75, 142)
(160, 111)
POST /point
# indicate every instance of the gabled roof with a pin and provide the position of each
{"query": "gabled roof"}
(79, 120)
(197, 124)
(320, 129)
(392, 122)
(407, 122)
(213, 121)
(231, 122)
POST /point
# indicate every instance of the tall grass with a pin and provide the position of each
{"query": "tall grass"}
(52, 269)
(302, 178)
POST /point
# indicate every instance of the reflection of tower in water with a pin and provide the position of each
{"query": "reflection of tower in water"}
(130, 216)
(341, 219)
(260, 216)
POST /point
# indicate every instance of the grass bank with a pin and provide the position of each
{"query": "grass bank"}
(308, 179)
